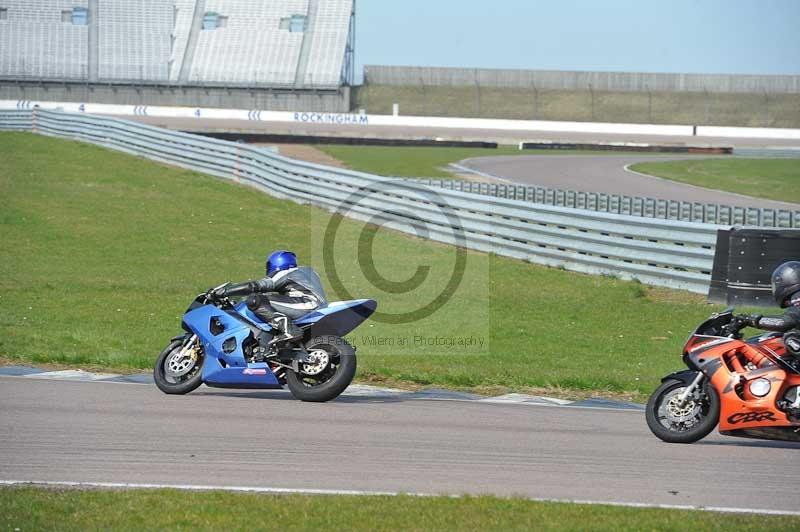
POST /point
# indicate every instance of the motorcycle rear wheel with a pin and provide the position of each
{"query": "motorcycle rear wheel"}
(331, 380)
(668, 421)
(176, 385)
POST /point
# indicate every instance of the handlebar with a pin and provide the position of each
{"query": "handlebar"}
(736, 324)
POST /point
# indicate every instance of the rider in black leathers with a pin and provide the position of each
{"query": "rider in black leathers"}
(286, 293)
(786, 289)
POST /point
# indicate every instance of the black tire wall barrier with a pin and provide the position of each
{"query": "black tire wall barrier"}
(744, 261)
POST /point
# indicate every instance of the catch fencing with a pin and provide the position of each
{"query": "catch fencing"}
(666, 253)
(684, 211)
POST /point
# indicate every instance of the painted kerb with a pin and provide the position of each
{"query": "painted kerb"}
(657, 252)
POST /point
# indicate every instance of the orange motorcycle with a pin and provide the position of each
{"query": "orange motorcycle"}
(750, 388)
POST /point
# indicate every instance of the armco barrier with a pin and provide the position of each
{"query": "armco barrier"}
(663, 253)
(683, 211)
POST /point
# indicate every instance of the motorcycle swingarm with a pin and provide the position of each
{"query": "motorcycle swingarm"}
(292, 358)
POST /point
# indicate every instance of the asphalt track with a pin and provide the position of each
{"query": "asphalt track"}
(608, 174)
(128, 433)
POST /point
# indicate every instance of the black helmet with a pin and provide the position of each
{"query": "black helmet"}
(786, 282)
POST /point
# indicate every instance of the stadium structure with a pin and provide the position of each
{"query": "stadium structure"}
(268, 54)
(299, 55)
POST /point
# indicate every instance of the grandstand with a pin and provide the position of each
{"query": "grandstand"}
(278, 44)
(44, 38)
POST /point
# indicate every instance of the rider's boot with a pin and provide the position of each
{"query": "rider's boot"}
(285, 329)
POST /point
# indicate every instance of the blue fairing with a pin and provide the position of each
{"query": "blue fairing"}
(242, 309)
(230, 369)
(238, 325)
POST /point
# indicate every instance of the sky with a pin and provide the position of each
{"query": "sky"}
(687, 36)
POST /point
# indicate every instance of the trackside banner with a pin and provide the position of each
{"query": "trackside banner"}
(365, 120)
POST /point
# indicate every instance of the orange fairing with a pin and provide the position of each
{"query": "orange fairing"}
(732, 366)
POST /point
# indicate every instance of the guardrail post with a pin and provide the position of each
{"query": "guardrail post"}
(236, 167)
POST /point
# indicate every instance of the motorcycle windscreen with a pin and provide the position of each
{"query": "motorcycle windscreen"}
(338, 319)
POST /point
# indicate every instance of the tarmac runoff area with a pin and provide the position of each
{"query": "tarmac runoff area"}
(80, 429)
(609, 174)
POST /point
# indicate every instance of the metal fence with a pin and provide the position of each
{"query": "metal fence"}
(571, 80)
(658, 252)
(684, 211)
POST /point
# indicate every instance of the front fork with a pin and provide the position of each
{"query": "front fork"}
(691, 388)
(187, 346)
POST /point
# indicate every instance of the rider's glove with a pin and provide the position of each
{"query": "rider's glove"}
(750, 320)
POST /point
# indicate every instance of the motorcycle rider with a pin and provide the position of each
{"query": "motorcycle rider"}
(287, 292)
(786, 290)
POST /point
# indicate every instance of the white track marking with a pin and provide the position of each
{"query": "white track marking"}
(362, 493)
(514, 398)
(71, 375)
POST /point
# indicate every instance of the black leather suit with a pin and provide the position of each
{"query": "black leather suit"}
(789, 320)
(787, 323)
(294, 293)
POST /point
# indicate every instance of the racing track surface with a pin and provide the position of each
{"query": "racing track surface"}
(104, 432)
(608, 174)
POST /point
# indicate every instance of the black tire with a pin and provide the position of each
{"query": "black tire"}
(333, 380)
(705, 419)
(180, 386)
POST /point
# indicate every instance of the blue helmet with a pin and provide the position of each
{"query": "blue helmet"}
(280, 261)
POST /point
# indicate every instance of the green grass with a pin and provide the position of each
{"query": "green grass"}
(101, 253)
(43, 509)
(683, 108)
(776, 179)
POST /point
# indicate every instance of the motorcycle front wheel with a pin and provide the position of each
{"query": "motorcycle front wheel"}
(330, 372)
(689, 422)
(178, 371)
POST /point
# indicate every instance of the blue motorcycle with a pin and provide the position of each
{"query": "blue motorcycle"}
(227, 346)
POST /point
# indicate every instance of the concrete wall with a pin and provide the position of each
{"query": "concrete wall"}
(563, 80)
(181, 96)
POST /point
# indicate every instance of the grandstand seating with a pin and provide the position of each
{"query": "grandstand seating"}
(252, 48)
(279, 43)
(37, 41)
(134, 39)
(330, 30)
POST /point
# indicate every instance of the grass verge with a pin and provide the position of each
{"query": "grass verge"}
(101, 253)
(775, 179)
(710, 109)
(46, 509)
